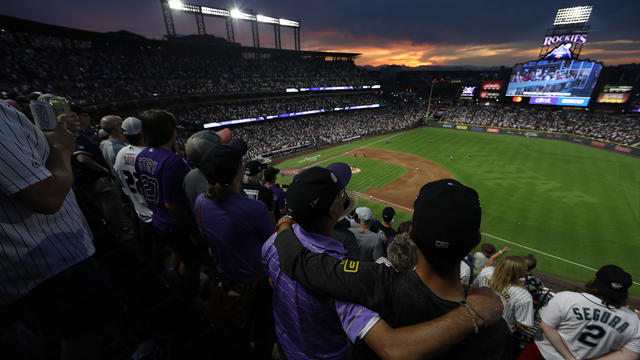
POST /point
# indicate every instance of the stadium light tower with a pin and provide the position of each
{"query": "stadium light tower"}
(229, 15)
(570, 30)
(573, 15)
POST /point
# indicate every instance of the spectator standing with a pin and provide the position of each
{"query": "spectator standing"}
(252, 186)
(481, 257)
(115, 140)
(98, 195)
(279, 204)
(161, 173)
(46, 247)
(197, 145)
(387, 220)
(591, 323)
(518, 303)
(370, 243)
(235, 227)
(445, 227)
(532, 283)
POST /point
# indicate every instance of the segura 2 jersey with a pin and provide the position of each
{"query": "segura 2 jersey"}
(588, 327)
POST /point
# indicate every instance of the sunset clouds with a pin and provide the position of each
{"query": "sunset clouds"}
(410, 33)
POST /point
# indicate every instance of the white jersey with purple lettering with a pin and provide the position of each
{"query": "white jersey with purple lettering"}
(588, 327)
(125, 168)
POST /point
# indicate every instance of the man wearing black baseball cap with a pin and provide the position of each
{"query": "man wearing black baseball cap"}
(252, 187)
(445, 228)
(590, 324)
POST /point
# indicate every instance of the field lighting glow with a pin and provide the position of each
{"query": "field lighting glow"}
(233, 13)
(573, 15)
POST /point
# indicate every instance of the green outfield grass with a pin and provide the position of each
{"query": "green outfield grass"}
(574, 202)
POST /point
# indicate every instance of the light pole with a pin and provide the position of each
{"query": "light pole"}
(430, 92)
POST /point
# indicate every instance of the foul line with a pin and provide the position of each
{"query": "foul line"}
(350, 151)
(489, 235)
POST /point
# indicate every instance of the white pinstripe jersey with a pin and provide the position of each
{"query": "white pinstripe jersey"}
(518, 303)
(588, 327)
(33, 247)
(125, 168)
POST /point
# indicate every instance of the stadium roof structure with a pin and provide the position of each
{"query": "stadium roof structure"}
(126, 38)
(230, 16)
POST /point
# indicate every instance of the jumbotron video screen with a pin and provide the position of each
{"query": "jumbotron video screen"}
(564, 82)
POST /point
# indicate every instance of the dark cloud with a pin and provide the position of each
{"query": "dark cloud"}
(416, 32)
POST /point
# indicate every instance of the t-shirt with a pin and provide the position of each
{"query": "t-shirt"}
(401, 298)
(235, 228)
(85, 176)
(125, 169)
(258, 192)
(479, 262)
(110, 149)
(588, 327)
(388, 231)
(308, 326)
(33, 247)
(194, 184)
(465, 273)
(279, 201)
(160, 173)
(369, 244)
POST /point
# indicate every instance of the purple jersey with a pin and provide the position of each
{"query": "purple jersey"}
(309, 327)
(160, 174)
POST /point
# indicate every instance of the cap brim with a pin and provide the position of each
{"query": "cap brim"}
(342, 172)
(353, 203)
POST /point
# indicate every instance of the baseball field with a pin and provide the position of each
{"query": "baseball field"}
(575, 207)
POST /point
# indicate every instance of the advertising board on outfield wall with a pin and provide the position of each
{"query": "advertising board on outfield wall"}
(543, 134)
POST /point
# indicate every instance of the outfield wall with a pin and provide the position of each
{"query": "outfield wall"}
(603, 144)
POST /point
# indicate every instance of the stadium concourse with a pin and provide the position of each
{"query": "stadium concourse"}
(126, 237)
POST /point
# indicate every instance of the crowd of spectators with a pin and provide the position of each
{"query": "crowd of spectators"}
(268, 136)
(623, 129)
(194, 118)
(96, 73)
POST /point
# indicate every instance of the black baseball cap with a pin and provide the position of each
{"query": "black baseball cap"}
(254, 167)
(388, 213)
(312, 191)
(270, 172)
(613, 282)
(446, 220)
(220, 163)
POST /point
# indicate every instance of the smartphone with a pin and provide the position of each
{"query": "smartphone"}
(44, 115)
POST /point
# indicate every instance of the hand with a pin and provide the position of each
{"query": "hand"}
(487, 303)
(504, 249)
(61, 138)
(71, 120)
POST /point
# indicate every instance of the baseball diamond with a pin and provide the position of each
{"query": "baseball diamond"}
(575, 202)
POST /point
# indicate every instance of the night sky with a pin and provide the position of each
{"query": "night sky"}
(411, 33)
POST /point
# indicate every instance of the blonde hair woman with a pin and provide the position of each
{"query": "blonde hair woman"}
(518, 303)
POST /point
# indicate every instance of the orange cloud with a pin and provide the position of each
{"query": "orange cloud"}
(378, 51)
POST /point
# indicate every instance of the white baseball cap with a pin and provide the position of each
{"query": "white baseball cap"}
(132, 126)
(364, 213)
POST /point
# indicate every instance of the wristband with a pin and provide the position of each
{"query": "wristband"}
(477, 313)
(473, 319)
(284, 220)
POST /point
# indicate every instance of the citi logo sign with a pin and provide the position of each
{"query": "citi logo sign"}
(542, 100)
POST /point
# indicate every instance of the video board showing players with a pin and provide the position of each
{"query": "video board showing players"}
(555, 82)
(615, 94)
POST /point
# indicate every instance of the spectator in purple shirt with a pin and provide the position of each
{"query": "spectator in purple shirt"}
(160, 173)
(312, 327)
(279, 205)
(235, 228)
